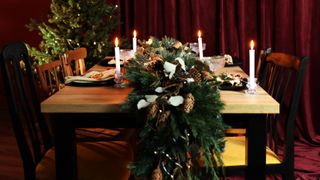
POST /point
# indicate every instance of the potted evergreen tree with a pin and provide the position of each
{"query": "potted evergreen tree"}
(72, 24)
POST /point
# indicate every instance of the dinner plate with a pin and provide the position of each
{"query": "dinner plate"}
(236, 62)
(109, 81)
(229, 87)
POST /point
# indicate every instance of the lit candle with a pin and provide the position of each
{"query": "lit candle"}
(134, 41)
(200, 45)
(117, 57)
(252, 62)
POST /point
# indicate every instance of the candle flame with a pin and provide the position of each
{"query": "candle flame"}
(251, 44)
(134, 33)
(116, 42)
(199, 33)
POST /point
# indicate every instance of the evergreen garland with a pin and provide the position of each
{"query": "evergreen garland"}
(75, 23)
(177, 100)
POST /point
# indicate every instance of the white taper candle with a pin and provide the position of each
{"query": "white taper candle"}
(200, 45)
(252, 82)
(117, 58)
(134, 41)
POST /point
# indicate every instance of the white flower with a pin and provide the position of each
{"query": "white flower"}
(190, 80)
(151, 98)
(159, 90)
(228, 59)
(181, 61)
(146, 102)
(169, 69)
(142, 104)
(149, 42)
(175, 100)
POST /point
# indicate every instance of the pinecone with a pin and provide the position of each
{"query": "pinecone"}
(150, 66)
(140, 50)
(156, 174)
(154, 57)
(164, 116)
(188, 103)
(153, 110)
(177, 45)
(206, 75)
(195, 74)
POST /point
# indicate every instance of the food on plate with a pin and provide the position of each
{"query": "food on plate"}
(228, 59)
(100, 75)
(229, 80)
(93, 76)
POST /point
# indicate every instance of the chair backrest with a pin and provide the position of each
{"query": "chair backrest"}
(282, 77)
(260, 65)
(31, 131)
(51, 76)
(73, 62)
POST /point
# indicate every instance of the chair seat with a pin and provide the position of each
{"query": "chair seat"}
(98, 160)
(234, 153)
(235, 131)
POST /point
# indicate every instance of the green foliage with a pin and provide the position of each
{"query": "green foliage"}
(185, 144)
(76, 23)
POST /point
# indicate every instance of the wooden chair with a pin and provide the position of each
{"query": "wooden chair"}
(282, 76)
(51, 77)
(260, 65)
(96, 160)
(73, 62)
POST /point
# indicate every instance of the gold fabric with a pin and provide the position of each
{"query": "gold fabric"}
(234, 154)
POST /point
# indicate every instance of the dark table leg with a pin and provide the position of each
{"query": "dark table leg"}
(65, 148)
(256, 148)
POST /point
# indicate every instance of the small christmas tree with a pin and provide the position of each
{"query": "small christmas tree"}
(76, 23)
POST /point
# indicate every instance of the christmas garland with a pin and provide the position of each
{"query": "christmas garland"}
(176, 99)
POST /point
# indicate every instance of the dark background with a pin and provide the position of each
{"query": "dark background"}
(290, 26)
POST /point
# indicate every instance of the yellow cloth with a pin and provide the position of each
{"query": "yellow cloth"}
(234, 154)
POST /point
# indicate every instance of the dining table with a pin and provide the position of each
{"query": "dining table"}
(100, 106)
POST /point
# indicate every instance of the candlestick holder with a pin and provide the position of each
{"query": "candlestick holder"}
(118, 79)
(195, 47)
(251, 88)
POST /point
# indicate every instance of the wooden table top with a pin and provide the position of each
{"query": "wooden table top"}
(104, 99)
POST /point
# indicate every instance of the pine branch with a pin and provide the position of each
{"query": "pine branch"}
(184, 143)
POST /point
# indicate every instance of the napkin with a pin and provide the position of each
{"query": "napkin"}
(92, 76)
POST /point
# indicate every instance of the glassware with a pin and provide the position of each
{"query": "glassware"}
(195, 47)
(126, 54)
(118, 79)
(251, 88)
(215, 63)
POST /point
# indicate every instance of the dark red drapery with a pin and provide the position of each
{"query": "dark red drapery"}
(290, 26)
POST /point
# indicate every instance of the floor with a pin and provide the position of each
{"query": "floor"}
(10, 163)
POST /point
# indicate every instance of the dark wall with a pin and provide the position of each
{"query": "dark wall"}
(14, 15)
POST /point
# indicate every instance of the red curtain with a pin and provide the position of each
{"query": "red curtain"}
(290, 26)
